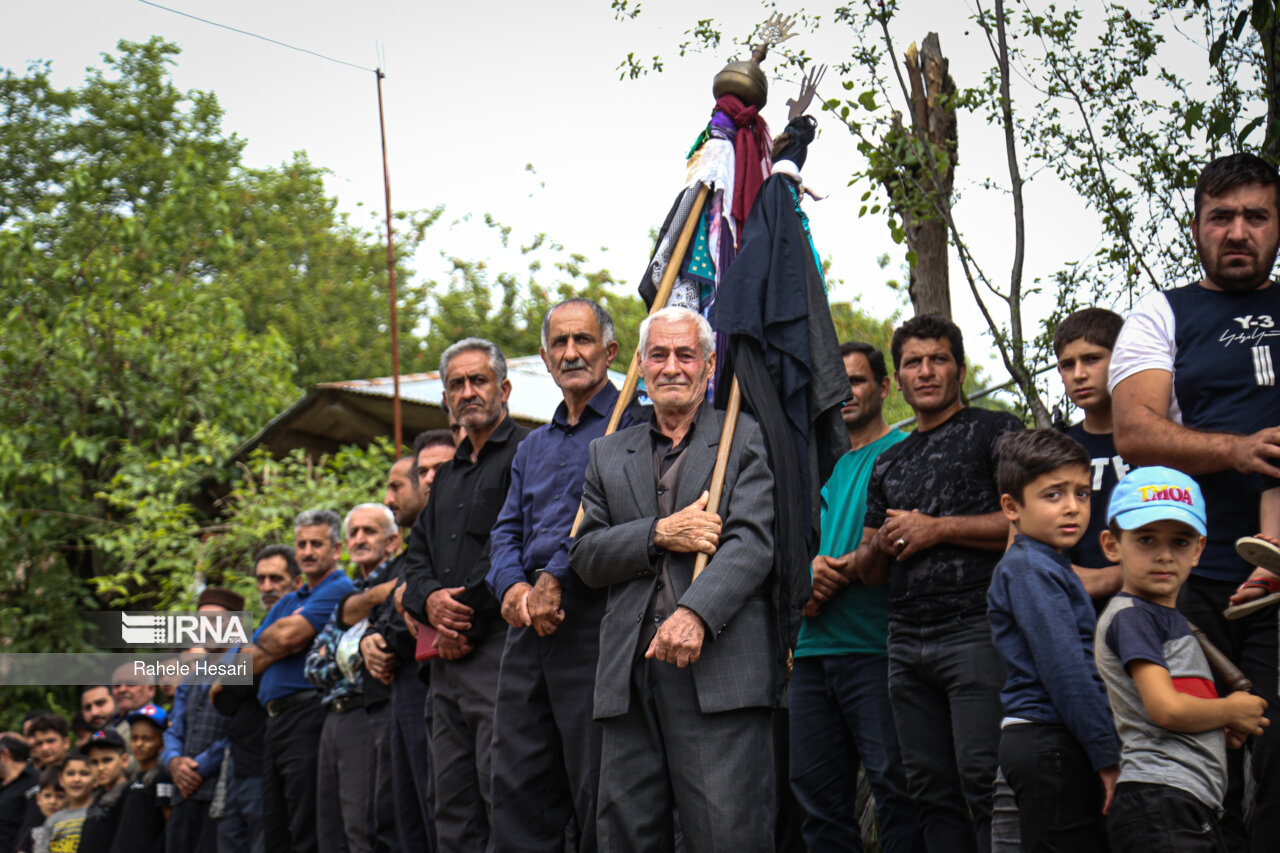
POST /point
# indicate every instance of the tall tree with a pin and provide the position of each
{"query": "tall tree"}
(1096, 96)
(158, 302)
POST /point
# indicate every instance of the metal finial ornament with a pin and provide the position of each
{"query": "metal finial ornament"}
(745, 78)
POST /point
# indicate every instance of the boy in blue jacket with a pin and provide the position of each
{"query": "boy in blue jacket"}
(1042, 623)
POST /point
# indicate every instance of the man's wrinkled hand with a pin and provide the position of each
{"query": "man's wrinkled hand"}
(828, 576)
(452, 648)
(905, 533)
(446, 614)
(515, 605)
(378, 662)
(543, 605)
(691, 530)
(182, 769)
(679, 639)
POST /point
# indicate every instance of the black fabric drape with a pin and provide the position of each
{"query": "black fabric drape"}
(784, 352)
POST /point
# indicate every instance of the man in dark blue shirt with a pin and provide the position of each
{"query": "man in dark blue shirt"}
(546, 754)
(294, 713)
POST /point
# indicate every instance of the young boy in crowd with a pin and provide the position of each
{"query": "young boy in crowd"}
(1083, 343)
(49, 799)
(109, 759)
(1173, 728)
(147, 799)
(61, 832)
(1042, 623)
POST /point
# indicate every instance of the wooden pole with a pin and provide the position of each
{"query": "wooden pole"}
(659, 302)
(391, 280)
(727, 433)
(1222, 666)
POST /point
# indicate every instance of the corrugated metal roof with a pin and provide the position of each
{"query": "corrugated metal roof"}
(332, 414)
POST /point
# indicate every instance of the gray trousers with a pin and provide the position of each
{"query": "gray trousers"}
(664, 754)
(546, 746)
(342, 783)
(462, 701)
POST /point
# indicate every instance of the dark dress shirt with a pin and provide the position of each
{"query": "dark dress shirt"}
(532, 531)
(449, 544)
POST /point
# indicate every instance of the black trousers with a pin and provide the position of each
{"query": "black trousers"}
(411, 774)
(546, 746)
(381, 814)
(289, 770)
(1058, 792)
(1147, 818)
(189, 828)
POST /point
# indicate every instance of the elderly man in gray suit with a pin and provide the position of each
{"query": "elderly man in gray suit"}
(687, 676)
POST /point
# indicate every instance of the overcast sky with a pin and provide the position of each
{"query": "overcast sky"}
(477, 91)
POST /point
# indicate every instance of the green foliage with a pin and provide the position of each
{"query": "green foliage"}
(509, 311)
(260, 510)
(159, 301)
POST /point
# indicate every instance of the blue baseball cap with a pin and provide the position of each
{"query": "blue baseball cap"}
(1156, 494)
(153, 714)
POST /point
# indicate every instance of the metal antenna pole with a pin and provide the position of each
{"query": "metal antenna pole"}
(391, 277)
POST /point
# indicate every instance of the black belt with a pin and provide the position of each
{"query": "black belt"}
(275, 707)
(343, 704)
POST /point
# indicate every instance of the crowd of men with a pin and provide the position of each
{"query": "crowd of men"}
(508, 672)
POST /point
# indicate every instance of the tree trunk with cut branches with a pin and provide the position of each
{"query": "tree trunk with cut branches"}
(933, 124)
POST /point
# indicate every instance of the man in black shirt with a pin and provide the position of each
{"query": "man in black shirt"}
(445, 567)
(934, 531)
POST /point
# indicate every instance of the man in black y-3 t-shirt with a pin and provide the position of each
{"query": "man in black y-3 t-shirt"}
(934, 530)
(1193, 385)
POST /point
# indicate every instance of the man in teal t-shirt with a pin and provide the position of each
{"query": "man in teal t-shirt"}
(840, 713)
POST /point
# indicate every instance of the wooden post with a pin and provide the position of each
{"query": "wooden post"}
(727, 433)
(659, 302)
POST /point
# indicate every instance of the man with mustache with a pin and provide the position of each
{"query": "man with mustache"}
(346, 741)
(839, 694)
(295, 716)
(686, 681)
(546, 752)
(934, 531)
(1193, 387)
(445, 567)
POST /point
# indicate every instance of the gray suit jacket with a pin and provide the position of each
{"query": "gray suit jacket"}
(737, 667)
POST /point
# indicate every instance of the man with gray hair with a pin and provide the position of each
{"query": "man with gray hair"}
(344, 784)
(445, 567)
(546, 746)
(687, 677)
(295, 716)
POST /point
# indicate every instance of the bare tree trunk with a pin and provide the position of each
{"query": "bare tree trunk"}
(933, 124)
(1269, 37)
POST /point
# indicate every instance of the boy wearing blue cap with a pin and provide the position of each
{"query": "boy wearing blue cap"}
(1042, 622)
(1173, 728)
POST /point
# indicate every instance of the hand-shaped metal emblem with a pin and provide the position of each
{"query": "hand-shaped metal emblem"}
(808, 88)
